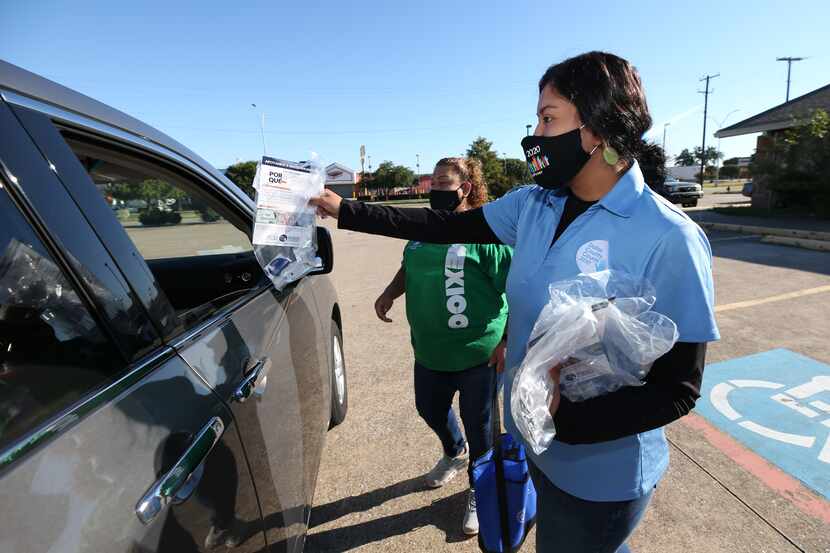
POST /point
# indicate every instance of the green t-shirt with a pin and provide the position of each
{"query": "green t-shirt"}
(455, 302)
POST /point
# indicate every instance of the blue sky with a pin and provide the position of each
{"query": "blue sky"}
(405, 78)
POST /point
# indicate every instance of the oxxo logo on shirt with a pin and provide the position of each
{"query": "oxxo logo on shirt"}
(454, 286)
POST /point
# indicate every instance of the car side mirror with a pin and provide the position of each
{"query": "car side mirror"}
(325, 250)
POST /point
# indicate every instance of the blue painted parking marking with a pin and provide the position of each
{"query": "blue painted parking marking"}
(777, 403)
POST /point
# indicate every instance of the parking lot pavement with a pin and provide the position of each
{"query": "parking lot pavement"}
(719, 495)
(711, 200)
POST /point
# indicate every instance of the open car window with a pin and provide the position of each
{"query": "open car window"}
(198, 251)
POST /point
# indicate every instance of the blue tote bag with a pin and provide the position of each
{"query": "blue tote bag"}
(505, 496)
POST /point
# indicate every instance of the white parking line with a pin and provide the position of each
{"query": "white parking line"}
(771, 299)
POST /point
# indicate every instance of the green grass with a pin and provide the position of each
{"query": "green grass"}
(724, 186)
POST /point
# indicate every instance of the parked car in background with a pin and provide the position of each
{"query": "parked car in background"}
(680, 192)
(157, 393)
(747, 189)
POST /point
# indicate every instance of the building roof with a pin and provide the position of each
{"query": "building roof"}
(782, 116)
(339, 167)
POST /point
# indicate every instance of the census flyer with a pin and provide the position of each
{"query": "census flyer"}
(283, 190)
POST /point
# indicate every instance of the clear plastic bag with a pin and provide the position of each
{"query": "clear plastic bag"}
(285, 233)
(600, 328)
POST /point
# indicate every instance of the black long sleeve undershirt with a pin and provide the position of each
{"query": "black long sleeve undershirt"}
(422, 224)
(670, 391)
(672, 385)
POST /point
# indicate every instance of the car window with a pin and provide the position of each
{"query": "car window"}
(164, 214)
(189, 237)
(52, 350)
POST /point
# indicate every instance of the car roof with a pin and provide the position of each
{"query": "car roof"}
(18, 80)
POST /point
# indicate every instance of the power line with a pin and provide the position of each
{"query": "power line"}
(341, 132)
(706, 94)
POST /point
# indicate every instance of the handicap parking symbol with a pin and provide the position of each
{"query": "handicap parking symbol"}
(778, 404)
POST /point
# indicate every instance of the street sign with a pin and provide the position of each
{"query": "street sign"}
(776, 403)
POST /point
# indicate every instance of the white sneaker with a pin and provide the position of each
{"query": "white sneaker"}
(446, 469)
(470, 526)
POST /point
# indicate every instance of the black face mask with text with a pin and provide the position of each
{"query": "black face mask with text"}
(554, 160)
(445, 200)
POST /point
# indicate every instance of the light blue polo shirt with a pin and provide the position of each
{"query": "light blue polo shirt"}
(631, 229)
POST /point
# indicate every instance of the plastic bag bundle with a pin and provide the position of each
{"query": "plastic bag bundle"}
(600, 329)
(285, 233)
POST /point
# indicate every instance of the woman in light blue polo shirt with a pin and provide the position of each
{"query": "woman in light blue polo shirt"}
(589, 210)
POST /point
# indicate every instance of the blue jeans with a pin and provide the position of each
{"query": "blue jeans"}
(434, 391)
(567, 523)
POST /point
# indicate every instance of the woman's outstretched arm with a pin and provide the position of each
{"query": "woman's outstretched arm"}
(422, 224)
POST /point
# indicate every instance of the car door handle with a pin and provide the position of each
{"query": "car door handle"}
(255, 381)
(175, 484)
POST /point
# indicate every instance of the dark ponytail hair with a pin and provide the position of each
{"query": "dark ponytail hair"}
(652, 161)
(608, 95)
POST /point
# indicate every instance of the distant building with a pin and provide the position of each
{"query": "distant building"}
(424, 184)
(682, 172)
(773, 123)
(342, 180)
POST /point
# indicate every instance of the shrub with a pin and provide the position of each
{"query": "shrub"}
(797, 165)
(156, 217)
(208, 215)
(729, 172)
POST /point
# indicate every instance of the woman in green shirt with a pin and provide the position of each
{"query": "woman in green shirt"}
(457, 311)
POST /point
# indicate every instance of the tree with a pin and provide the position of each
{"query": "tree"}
(242, 174)
(491, 165)
(389, 176)
(154, 192)
(516, 172)
(686, 158)
(712, 155)
(796, 165)
(729, 171)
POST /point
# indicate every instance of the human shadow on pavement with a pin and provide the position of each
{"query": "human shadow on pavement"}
(752, 250)
(444, 514)
(359, 503)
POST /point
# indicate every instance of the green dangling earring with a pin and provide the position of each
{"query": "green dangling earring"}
(610, 155)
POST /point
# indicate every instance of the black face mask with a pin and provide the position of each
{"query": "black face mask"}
(445, 200)
(554, 160)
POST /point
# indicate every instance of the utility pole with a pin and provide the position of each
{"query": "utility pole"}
(789, 61)
(261, 129)
(665, 126)
(356, 190)
(417, 171)
(706, 94)
(527, 127)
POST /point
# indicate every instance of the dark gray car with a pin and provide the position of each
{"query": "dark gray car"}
(156, 392)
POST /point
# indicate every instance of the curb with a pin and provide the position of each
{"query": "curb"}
(808, 235)
(818, 245)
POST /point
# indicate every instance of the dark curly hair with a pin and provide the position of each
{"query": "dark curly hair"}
(608, 95)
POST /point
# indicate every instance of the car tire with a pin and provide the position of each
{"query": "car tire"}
(339, 389)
